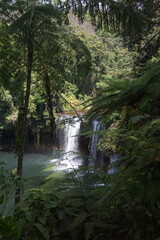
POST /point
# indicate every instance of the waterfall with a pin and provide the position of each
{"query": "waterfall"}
(96, 155)
(71, 139)
(69, 143)
(96, 127)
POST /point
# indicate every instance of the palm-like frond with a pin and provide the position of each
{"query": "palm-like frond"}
(37, 15)
(109, 100)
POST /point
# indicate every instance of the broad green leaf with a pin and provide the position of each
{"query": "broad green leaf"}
(43, 230)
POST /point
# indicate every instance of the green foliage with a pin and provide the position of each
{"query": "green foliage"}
(134, 137)
(137, 21)
(7, 109)
(8, 228)
(79, 205)
(130, 94)
(71, 94)
(8, 182)
(60, 208)
(88, 204)
(109, 58)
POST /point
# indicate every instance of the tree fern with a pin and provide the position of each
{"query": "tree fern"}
(146, 87)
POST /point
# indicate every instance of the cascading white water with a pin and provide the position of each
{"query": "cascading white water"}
(69, 159)
(71, 132)
(96, 127)
(95, 155)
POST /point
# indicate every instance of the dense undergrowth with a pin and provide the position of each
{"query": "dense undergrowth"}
(88, 204)
(132, 112)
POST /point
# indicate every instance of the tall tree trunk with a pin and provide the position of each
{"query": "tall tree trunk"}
(59, 108)
(49, 98)
(21, 131)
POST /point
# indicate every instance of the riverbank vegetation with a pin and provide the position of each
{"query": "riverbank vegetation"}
(109, 68)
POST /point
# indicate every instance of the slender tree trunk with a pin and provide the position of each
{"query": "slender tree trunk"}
(21, 132)
(50, 107)
(38, 139)
(59, 108)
